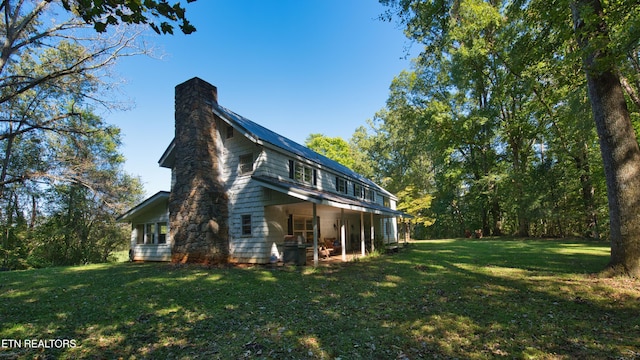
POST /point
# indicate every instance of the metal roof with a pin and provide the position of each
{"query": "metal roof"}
(260, 134)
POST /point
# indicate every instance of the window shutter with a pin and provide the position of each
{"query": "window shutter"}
(315, 177)
(291, 169)
(337, 186)
(290, 225)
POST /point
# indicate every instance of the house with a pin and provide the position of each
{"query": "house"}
(242, 193)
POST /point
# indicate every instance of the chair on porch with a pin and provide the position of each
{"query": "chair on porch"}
(333, 246)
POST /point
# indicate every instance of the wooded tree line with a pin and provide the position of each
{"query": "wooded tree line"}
(495, 122)
(61, 178)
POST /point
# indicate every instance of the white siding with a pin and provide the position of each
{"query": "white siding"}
(151, 252)
(245, 198)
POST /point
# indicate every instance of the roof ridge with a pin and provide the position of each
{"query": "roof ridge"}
(287, 144)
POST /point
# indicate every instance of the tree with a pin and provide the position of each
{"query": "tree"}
(417, 203)
(104, 13)
(618, 141)
(53, 75)
(524, 53)
(79, 226)
(335, 148)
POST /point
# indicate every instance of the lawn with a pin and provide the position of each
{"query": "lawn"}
(466, 299)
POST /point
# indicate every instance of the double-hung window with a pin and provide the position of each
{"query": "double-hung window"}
(162, 233)
(246, 225)
(302, 173)
(370, 195)
(341, 185)
(358, 191)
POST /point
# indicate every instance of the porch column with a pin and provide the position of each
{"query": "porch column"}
(373, 247)
(315, 237)
(343, 235)
(362, 244)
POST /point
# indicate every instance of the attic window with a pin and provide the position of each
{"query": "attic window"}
(229, 132)
(246, 163)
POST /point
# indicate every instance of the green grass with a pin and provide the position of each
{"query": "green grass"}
(467, 299)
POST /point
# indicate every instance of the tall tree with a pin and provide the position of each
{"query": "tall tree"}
(53, 75)
(527, 39)
(48, 70)
(79, 225)
(618, 141)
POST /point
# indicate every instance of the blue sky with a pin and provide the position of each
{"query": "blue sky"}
(294, 66)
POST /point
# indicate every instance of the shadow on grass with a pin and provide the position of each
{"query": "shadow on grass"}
(447, 299)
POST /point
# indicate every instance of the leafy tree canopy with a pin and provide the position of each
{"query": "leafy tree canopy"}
(159, 15)
(335, 148)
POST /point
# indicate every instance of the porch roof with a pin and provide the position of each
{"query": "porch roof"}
(326, 198)
(158, 199)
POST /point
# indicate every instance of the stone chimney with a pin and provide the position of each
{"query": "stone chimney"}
(198, 204)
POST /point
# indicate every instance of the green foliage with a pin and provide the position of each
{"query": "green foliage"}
(417, 204)
(72, 213)
(437, 299)
(61, 176)
(494, 121)
(335, 148)
(109, 13)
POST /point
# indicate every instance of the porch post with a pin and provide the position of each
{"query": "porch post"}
(373, 247)
(315, 236)
(343, 235)
(362, 245)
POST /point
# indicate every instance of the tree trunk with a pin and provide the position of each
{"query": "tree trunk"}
(618, 144)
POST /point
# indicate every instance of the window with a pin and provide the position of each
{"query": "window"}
(246, 225)
(303, 226)
(370, 195)
(385, 201)
(162, 233)
(140, 234)
(358, 191)
(246, 163)
(151, 233)
(302, 173)
(229, 132)
(341, 185)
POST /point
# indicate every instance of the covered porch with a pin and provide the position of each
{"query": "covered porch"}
(329, 227)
